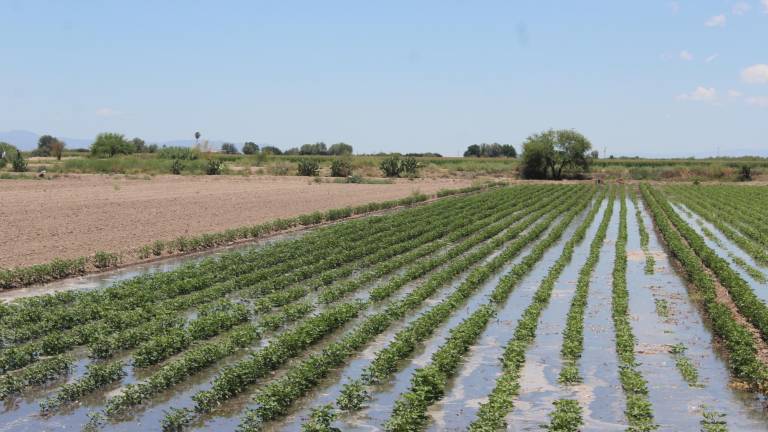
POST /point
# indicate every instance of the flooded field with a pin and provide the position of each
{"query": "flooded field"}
(573, 307)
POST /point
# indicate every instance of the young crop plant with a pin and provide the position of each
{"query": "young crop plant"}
(685, 365)
(573, 334)
(662, 308)
(492, 414)
(566, 417)
(737, 340)
(97, 376)
(320, 420)
(40, 373)
(638, 408)
(713, 421)
(650, 262)
(275, 398)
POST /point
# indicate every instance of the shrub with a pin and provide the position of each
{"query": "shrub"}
(745, 174)
(410, 167)
(390, 166)
(250, 148)
(102, 260)
(182, 153)
(111, 144)
(308, 167)
(176, 167)
(341, 168)
(214, 167)
(18, 163)
(229, 148)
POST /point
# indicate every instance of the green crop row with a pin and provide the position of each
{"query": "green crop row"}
(573, 334)
(97, 376)
(737, 341)
(747, 302)
(492, 414)
(650, 262)
(410, 301)
(638, 410)
(566, 417)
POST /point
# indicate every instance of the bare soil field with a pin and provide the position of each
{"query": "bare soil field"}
(77, 215)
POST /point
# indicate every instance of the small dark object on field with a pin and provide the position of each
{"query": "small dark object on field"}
(746, 173)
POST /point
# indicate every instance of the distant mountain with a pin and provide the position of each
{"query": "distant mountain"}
(27, 140)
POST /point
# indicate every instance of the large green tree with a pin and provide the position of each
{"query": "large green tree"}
(553, 152)
(110, 144)
(340, 149)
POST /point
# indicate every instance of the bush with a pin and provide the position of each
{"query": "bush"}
(308, 167)
(745, 174)
(111, 144)
(229, 148)
(410, 167)
(176, 167)
(18, 163)
(104, 260)
(181, 153)
(390, 166)
(214, 167)
(341, 168)
(250, 148)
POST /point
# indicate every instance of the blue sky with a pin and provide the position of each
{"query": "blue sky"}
(650, 78)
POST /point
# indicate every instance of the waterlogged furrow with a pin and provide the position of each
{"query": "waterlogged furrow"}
(749, 305)
(428, 384)
(649, 260)
(335, 250)
(736, 340)
(138, 325)
(492, 413)
(178, 370)
(387, 361)
(639, 411)
(274, 399)
(410, 301)
(573, 334)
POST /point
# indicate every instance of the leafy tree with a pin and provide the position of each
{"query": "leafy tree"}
(292, 151)
(490, 150)
(152, 148)
(57, 148)
(553, 151)
(340, 149)
(197, 137)
(317, 148)
(110, 144)
(139, 145)
(229, 148)
(594, 154)
(271, 150)
(536, 154)
(44, 145)
(473, 150)
(250, 148)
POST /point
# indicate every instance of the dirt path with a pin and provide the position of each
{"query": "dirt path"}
(80, 214)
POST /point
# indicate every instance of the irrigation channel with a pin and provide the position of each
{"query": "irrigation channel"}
(566, 307)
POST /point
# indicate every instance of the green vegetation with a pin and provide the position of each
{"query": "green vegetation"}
(553, 153)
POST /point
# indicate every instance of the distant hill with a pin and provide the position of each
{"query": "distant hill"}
(27, 140)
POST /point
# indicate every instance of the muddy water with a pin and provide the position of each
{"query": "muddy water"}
(676, 405)
(538, 378)
(478, 374)
(328, 392)
(102, 280)
(725, 248)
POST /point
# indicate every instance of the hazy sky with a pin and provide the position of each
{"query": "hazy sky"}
(649, 77)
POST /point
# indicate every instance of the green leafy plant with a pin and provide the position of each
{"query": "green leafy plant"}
(308, 167)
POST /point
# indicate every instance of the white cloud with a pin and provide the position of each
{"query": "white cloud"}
(711, 58)
(675, 6)
(701, 94)
(107, 112)
(716, 21)
(755, 74)
(735, 93)
(758, 101)
(765, 5)
(740, 8)
(685, 55)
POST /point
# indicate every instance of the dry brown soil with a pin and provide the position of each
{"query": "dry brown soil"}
(77, 215)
